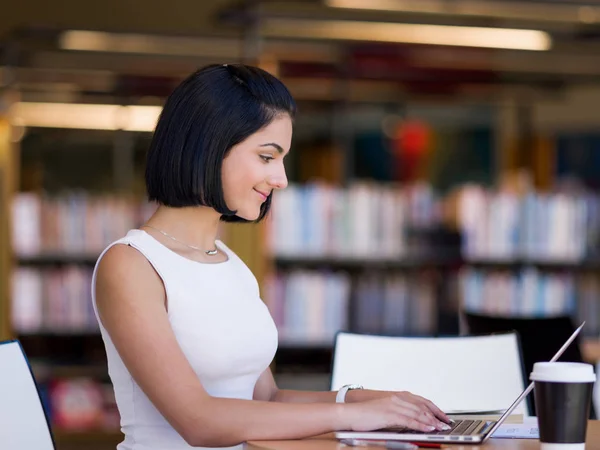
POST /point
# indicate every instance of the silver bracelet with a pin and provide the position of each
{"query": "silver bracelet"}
(341, 395)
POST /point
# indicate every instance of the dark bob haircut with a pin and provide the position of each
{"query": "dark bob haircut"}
(211, 111)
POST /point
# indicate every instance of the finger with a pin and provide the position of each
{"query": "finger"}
(419, 405)
(437, 412)
(439, 425)
(420, 414)
(417, 408)
(416, 425)
(429, 407)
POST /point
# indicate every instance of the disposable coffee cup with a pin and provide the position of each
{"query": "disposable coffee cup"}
(563, 395)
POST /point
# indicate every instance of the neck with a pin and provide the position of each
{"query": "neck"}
(196, 225)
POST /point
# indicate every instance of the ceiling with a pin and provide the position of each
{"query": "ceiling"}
(172, 41)
(174, 16)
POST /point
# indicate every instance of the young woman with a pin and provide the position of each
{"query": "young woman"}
(187, 337)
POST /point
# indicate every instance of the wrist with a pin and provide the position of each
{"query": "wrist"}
(357, 395)
(342, 417)
(364, 395)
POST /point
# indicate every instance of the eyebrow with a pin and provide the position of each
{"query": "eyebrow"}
(273, 144)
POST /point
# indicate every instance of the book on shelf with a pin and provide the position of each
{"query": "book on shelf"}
(552, 227)
(73, 223)
(55, 300)
(588, 303)
(310, 307)
(80, 405)
(395, 304)
(365, 220)
(532, 293)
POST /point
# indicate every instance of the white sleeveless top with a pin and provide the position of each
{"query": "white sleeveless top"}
(221, 324)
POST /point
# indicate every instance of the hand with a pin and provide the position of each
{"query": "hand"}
(433, 409)
(363, 395)
(397, 409)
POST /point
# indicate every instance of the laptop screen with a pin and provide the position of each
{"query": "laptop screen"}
(530, 387)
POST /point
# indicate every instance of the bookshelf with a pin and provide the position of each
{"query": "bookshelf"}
(7, 181)
(410, 257)
(92, 440)
(583, 265)
(57, 259)
(357, 264)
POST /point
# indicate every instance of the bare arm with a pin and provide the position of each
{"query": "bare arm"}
(266, 389)
(131, 303)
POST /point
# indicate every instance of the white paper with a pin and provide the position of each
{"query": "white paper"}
(529, 429)
(459, 412)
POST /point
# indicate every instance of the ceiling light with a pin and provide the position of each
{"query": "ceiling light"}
(97, 41)
(505, 38)
(85, 116)
(522, 10)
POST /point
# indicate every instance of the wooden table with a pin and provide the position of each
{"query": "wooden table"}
(327, 442)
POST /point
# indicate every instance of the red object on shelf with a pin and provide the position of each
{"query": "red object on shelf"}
(77, 404)
(411, 144)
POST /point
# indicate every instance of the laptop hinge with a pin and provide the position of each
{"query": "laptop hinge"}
(483, 427)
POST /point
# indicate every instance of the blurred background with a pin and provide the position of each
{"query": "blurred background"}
(444, 172)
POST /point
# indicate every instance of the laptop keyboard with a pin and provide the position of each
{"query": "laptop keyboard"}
(458, 428)
(465, 428)
(461, 427)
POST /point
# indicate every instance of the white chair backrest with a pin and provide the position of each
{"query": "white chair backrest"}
(23, 423)
(596, 394)
(467, 373)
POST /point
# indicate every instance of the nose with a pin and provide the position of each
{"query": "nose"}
(278, 180)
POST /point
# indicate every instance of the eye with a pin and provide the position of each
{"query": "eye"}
(266, 158)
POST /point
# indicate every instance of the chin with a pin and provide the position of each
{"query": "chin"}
(249, 215)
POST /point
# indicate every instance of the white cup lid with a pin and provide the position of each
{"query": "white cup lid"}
(563, 372)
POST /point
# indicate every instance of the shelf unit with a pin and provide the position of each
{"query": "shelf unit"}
(359, 264)
(90, 440)
(585, 265)
(7, 183)
(57, 259)
(350, 265)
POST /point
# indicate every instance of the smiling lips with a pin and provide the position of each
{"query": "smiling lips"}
(262, 194)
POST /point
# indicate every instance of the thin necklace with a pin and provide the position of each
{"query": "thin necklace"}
(208, 252)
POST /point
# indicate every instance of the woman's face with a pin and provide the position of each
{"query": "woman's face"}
(254, 167)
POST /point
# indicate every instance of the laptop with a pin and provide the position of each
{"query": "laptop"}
(462, 431)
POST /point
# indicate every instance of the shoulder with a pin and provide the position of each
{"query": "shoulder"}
(122, 253)
(120, 258)
(124, 271)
